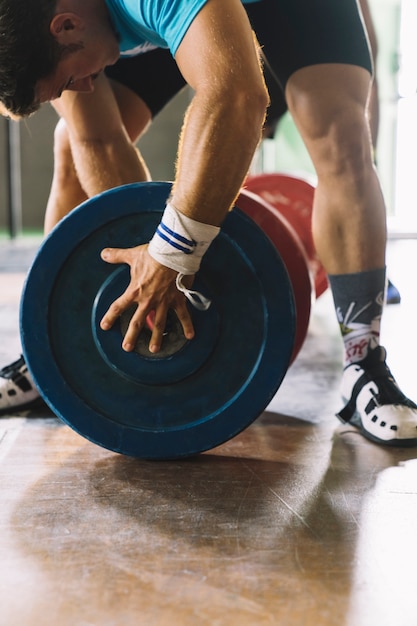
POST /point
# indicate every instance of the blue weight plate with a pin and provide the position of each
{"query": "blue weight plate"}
(192, 396)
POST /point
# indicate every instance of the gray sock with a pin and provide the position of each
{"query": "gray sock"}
(359, 300)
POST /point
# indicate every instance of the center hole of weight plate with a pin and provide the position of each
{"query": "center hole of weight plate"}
(173, 339)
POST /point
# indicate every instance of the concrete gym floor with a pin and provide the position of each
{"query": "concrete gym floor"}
(298, 521)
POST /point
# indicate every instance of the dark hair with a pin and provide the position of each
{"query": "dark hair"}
(28, 52)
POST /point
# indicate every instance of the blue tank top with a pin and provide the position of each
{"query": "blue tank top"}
(142, 25)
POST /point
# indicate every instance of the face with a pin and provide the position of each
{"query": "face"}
(78, 69)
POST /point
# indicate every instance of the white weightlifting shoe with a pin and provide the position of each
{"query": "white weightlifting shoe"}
(375, 404)
(17, 389)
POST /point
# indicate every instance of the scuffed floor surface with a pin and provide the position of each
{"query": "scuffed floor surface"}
(298, 521)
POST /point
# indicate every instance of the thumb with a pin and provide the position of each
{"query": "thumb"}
(115, 255)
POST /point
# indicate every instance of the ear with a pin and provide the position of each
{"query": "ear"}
(65, 26)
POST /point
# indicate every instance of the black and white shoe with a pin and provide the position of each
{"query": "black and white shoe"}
(375, 404)
(17, 389)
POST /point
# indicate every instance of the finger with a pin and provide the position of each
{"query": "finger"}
(133, 331)
(115, 310)
(184, 317)
(116, 255)
(158, 330)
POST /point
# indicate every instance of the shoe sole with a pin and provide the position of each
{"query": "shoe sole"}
(356, 421)
(33, 404)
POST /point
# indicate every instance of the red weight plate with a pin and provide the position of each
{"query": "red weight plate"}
(292, 252)
(293, 198)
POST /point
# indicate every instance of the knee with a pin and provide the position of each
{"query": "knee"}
(62, 149)
(351, 138)
(345, 147)
(135, 114)
(63, 161)
(61, 139)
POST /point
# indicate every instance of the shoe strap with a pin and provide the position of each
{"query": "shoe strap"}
(12, 370)
(388, 391)
(349, 409)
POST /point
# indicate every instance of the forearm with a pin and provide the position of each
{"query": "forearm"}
(102, 151)
(102, 165)
(219, 58)
(219, 138)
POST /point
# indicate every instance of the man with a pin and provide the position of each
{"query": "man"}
(318, 51)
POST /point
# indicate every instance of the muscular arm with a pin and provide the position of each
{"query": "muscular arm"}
(218, 58)
(103, 154)
(222, 128)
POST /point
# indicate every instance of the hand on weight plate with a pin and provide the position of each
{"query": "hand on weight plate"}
(152, 288)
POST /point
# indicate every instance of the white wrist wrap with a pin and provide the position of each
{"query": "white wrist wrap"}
(180, 242)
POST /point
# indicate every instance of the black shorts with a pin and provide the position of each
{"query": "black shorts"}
(293, 34)
(153, 75)
(298, 33)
